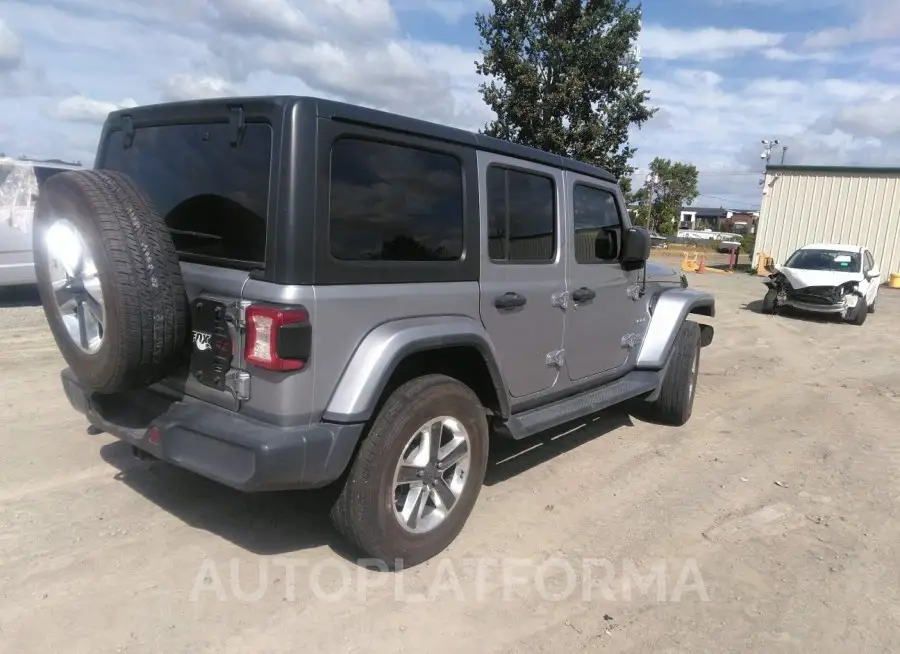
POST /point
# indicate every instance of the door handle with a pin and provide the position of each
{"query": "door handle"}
(583, 294)
(509, 301)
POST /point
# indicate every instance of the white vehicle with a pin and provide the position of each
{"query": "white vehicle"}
(20, 180)
(826, 278)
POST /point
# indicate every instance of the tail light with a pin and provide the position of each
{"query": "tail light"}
(277, 339)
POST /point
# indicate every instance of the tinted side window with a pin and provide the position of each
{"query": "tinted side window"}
(597, 226)
(394, 203)
(870, 261)
(521, 216)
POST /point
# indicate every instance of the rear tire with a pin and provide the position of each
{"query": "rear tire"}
(122, 279)
(369, 510)
(872, 306)
(675, 402)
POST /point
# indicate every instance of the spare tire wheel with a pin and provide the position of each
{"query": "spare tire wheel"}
(109, 280)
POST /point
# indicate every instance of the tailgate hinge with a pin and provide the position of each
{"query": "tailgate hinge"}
(238, 382)
(127, 132)
(236, 120)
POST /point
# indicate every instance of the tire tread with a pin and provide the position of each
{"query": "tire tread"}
(144, 274)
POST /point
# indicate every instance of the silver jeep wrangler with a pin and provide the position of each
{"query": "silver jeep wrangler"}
(283, 293)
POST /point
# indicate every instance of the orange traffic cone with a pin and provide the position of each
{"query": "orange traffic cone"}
(702, 267)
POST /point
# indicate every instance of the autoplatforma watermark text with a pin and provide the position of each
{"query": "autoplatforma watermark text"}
(465, 580)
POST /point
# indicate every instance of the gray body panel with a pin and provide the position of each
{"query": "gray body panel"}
(382, 349)
(224, 285)
(671, 310)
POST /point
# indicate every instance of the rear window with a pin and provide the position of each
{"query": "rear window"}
(214, 196)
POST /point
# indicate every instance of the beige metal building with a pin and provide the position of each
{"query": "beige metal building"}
(825, 204)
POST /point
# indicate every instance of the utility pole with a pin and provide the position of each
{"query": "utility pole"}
(652, 182)
(783, 152)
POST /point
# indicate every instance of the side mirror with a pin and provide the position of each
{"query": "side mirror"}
(635, 247)
(873, 273)
(606, 246)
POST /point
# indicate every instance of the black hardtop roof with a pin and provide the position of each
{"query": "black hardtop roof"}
(173, 111)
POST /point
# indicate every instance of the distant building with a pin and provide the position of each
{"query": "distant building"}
(718, 220)
(695, 218)
(830, 204)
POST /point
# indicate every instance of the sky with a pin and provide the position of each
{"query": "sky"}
(822, 76)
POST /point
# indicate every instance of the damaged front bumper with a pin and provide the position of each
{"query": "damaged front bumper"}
(831, 300)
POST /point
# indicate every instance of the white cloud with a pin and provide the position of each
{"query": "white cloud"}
(719, 90)
(307, 22)
(661, 42)
(887, 58)
(876, 20)
(196, 87)
(79, 108)
(780, 54)
(876, 120)
(717, 124)
(10, 48)
(452, 11)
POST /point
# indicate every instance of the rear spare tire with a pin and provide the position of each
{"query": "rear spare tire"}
(109, 280)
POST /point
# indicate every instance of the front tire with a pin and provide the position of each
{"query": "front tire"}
(768, 303)
(418, 473)
(858, 315)
(675, 402)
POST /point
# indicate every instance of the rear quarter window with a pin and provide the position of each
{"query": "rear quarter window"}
(394, 203)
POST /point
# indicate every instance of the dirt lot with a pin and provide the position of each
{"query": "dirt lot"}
(770, 523)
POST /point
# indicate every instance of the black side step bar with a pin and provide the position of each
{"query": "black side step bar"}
(528, 423)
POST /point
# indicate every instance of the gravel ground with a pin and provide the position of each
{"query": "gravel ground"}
(768, 523)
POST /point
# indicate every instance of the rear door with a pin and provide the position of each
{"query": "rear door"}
(603, 323)
(522, 269)
(214, 195)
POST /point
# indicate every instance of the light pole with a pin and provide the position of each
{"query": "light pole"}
(767, 149)
(768, 144)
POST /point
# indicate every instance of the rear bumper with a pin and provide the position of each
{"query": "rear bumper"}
(219, 444)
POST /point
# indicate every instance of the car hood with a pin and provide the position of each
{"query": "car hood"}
(803, 278)
(657, 272)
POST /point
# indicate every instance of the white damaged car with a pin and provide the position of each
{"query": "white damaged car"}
(825, 279)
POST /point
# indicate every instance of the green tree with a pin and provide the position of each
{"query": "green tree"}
(563, 77)
(675, 186)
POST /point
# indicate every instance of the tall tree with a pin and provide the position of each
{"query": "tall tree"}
(676, 185)
(563, 77)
